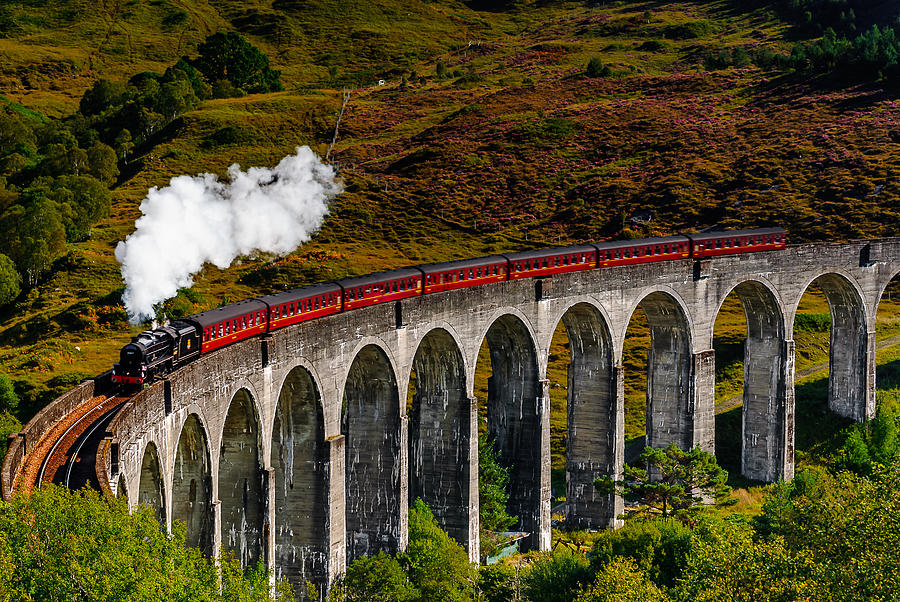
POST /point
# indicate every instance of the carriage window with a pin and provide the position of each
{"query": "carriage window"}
(244, 322)
(221, 329)
(316, 303)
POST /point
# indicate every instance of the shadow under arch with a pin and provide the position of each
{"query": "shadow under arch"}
(594, 418)
(765, 423)
(150, 487)
(300, 465)
(241, 481)
(192, 486)
(670, 415)
(518, 422)
(849, 361)
(372, 429)
(441, 432)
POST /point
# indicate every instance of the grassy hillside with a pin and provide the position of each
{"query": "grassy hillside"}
(486, 137)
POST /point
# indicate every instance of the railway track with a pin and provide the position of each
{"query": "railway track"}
(66, 455)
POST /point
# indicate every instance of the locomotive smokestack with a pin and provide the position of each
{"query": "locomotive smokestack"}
(197, 220)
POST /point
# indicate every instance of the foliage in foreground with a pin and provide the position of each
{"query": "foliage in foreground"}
(58, 544)
(434, 567)
(493, 480)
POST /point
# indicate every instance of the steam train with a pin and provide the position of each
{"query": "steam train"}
(159, 351)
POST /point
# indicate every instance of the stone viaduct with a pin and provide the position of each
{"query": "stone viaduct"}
(298, 449)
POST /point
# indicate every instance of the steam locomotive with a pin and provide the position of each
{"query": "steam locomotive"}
(159, 351)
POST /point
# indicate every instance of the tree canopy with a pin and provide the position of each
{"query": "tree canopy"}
(228, 56)
(57, 544)
(674, 484)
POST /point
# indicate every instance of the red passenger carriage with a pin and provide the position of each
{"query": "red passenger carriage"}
(529, 264)
(459, 274)
(642, 250)
(726, 242)
(381, 288)
(225, 325)
(301, 304)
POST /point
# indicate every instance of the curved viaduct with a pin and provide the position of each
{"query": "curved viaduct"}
(299, 450)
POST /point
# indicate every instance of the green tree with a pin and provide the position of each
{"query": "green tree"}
(498, 582)
(15, 134)
(124, 144)
(437, 566)
(81, 202)
(378, 577)
(621, 581)
(9, 424)
(57, 544)
(596, 68)
(34, 236)
(229, 56)
(9, 401)
(103, 163)
(876, 441)
(556, 576)
(175, 98)
(659, 548)
(727, 563)
(103, 95)
(493, 479)
(675, 484)
(10, 280)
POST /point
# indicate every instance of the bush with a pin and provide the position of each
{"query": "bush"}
(437, 566)
(493, 479)
(557, 576)
(621, 581)
(690, 30)
(596, 68)
(378, 577)
(9, 400)
(497, 582)
(10, 281)
(657, 547)
(812, 322)
(875, 442)
(64, 545)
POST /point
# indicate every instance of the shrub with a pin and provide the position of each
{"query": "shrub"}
(657, 547)
(621, 581)
(378, 577)
(437, 566)
(596, 68)
(10, 281)
(812, 322)
(556, 577)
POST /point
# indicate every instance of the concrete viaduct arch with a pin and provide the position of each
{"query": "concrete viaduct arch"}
(330, 457)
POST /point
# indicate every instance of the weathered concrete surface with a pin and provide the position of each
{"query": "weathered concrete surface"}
(329, 399)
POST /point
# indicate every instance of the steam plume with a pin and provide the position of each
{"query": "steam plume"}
(198, 219)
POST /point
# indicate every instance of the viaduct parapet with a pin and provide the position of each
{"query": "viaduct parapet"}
(299, 449)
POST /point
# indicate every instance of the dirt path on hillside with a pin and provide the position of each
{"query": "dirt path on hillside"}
(736, 401)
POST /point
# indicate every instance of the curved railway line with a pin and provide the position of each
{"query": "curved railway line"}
(65, 455)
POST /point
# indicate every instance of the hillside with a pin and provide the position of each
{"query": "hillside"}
(486, 136)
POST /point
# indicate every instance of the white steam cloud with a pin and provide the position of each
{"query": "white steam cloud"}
(198, 219)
